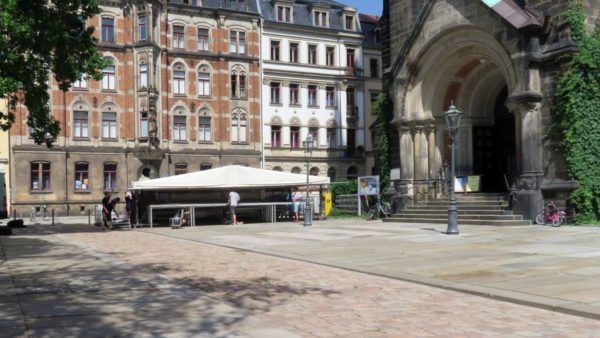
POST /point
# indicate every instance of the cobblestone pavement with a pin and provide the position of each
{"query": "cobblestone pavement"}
(310, 300)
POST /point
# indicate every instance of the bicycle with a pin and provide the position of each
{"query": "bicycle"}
(551, 214)
(380, 208)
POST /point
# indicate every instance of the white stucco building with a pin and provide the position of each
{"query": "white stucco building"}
(312, 66)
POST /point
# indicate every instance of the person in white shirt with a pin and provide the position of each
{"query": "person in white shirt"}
(234, 198)
(296, 198)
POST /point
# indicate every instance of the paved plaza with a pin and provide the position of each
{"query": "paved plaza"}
(261, 280)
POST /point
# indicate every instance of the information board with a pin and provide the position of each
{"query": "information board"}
(368, 185)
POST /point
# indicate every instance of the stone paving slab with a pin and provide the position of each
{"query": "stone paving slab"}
(556, 267)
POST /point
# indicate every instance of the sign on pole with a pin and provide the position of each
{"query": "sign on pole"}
(367, 186)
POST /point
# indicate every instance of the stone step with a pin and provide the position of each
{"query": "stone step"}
(462, 207)
(461, 216)
(460, 221)
(444, 211)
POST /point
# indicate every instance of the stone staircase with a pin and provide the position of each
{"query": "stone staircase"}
(473, 208)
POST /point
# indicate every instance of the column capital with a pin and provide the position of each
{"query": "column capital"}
(524, 102)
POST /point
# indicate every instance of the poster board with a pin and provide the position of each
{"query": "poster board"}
(473, 183)
(368, 185)
(460, 183)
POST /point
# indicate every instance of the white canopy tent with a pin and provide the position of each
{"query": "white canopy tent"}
(233, 176)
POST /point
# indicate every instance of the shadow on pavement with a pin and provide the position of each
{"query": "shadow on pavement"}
(54, 288)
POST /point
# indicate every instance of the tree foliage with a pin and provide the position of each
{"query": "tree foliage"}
(384, 108)
(577, 107)
(38, 38)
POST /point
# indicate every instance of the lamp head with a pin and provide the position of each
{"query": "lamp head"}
(453, 116)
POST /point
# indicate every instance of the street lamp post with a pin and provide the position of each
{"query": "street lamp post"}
(307, 154)
(452, 116)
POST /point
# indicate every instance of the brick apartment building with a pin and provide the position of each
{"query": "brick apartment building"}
(182, 94)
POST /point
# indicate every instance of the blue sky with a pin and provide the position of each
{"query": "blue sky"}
(374, 7)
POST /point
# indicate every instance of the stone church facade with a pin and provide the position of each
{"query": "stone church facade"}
(497, 62)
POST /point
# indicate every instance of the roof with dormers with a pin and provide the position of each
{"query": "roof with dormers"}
(302, 12)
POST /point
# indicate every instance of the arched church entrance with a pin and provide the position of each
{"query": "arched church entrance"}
(466, 67)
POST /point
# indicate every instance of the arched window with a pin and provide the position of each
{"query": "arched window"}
(351, 173)
(203, 83)
(178, 80)
(277, 168)
(331, 174)
(181, 168)
(239, 126)
(314, 171)
(238, 82)
(296, 170)
(40, 176)
(108, 78)
(82, 176)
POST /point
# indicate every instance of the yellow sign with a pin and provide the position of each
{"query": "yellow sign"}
(473, 183)
(328, 203)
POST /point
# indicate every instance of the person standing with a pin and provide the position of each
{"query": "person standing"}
(296, 198)
(107, 208)
(234, 198)
(129, 206)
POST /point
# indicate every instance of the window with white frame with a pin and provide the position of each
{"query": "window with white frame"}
(82, 176)
(110, 176)
(312, 95)
(178, 36)
(330, 56)
(284, 13)
(143, 75)
(109, 125)
(331, 138)
(80, 124)
(312, 54)
(179, 128)
(238, 84)
(295, 137)
(320, 18)
(294, 94)
(294, 47)
(239, 127)
(275, 50)
(40, 176)
(81, 83)
(349, 22)
(108, 78)
(204, 129)
(179, 80)
(203, 83)
(237, 42)
(142, 27)
(330, 96)
(203, 39)
(276, 136)
(108, 30)
(275, 93)
(314, 134)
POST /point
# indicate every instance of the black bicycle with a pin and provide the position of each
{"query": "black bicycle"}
(380, 209)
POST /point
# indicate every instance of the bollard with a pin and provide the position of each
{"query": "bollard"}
(89, 217)
(52, 216)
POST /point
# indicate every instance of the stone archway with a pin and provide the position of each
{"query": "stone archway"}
(468, 67)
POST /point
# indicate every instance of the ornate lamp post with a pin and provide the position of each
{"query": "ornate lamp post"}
(452, 116)
(307, 144)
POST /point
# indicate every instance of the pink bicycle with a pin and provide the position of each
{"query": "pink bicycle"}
(552, 215)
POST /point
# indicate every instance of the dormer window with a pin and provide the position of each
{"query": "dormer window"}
(320, 18)
(237, 5)
(284, 13)
(349, 22)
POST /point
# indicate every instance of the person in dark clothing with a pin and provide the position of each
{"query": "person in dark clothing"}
(107, 208)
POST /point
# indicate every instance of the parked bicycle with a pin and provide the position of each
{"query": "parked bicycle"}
(551, 214)
(379, 209)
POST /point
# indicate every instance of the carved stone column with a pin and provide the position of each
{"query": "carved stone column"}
(421, 154)
(526, 108)
(407, 160)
